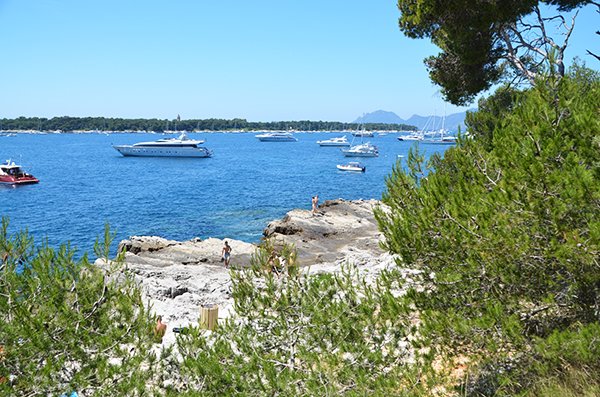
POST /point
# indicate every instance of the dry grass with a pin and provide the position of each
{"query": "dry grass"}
(573, 383)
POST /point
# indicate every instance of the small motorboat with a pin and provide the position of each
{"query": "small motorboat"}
(13, 174)
(352, 166)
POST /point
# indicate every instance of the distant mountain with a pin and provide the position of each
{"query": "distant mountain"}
(451, 122)
(380, 116)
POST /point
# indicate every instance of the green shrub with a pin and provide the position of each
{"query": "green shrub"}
(66, 325)
(508, 226)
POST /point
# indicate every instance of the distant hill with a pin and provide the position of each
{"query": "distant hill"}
(380, 116)
(451, 123)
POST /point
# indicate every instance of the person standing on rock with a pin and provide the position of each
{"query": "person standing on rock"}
(315, 204)
(226, 253)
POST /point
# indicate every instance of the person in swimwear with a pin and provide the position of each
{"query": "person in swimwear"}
(160, 329)
(226, 253)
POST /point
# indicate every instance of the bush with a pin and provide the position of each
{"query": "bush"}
(66, 325)
(508, 225)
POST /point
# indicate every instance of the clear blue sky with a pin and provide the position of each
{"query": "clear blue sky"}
(262, 60)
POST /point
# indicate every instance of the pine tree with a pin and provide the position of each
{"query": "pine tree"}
(508, 229)
(69, 326)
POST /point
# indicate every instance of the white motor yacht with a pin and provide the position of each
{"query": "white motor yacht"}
(352, 166)
(338, 141)
(413, 137)
(166, 147)
(276, 137)
(362, 150)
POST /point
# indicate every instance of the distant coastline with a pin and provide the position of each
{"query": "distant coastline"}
(119, 125)
(35, 132)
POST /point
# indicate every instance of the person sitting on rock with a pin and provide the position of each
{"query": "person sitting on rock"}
(160, 329)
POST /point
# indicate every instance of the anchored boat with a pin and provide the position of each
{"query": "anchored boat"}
(352, 166)
(166, 147)
(13, 174)
(362, 150)
(338, 141)
(276, 137)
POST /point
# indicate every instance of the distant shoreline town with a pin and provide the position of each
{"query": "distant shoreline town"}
(35, 125)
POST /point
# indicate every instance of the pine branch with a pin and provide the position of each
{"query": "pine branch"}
(525, 43)
(512, 57)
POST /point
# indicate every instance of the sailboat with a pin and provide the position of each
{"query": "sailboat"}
(443, 138)
(417, 136)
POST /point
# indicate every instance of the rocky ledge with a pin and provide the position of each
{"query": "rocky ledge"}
(178, 278)
(340, 228)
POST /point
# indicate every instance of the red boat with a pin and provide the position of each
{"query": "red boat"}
(12, 174)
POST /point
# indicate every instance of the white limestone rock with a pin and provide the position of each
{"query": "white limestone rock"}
(178, 278)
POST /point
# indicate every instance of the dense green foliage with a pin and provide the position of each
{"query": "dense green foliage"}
(475, 37)
(68, 124)
(508, 227)
(66, 325)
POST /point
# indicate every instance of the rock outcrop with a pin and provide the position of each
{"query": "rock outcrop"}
(338, 229)
(178, 278)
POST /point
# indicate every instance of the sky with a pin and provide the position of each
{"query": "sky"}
(262, 60)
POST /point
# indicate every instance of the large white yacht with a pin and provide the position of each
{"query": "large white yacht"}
(338, 141)
(276, 137)
(166, 147)
(362, 150)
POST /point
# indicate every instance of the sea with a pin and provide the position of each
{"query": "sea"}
(85, 184)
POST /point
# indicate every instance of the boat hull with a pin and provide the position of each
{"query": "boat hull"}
(410, 138)
(439, 142)
(334, 143)
(132, 151)
(351, 169)
(359, 154)
(18, 181)
(273, 139)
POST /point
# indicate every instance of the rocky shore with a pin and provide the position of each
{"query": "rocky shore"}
(178, 278)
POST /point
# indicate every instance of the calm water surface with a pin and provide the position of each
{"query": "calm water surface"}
(85, 183)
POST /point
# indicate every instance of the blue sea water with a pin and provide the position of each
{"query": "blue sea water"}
(85, 184)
